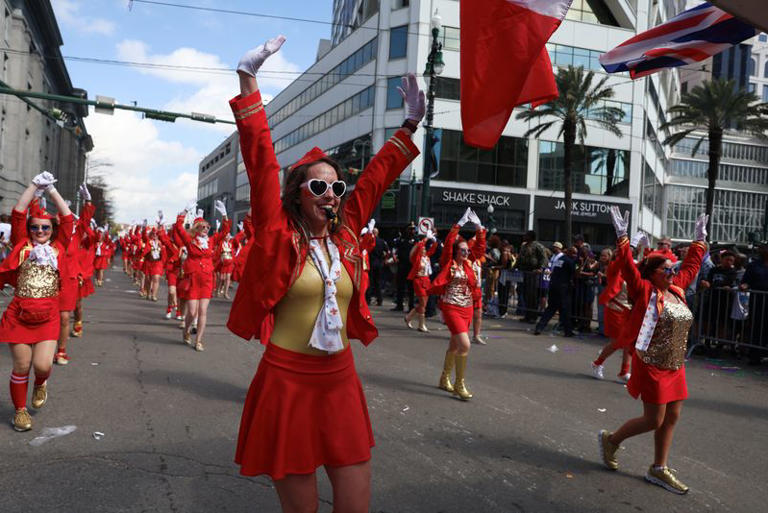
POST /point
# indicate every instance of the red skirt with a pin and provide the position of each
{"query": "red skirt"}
(68, 294)
(101, 262)
(457, 318)
(614, 323)
(421, 286)
(302, 412)
(172, 277)
(182, 288)
(86, 289)
(154, 268)
(29, 321)
(654, 385)
(226, 266)
(200, 286)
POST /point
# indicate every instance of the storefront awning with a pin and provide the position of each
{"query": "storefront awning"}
(750, 11)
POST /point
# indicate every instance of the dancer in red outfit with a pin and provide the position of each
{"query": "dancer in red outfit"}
(301, 296)
(226, 263)
(455, 285)
(198, 267)
(172, 269)
(102, 255)
(421, 269)
(30, 324)
(660, 321)
(85, 251)
(154, 260)
(477, 248)
(246, 241)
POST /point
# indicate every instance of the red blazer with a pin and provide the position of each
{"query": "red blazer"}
(448, 264)
(277, 255)
(200, 260)
(613, 279)
(417, 252)
(22, 244)
(640, 290)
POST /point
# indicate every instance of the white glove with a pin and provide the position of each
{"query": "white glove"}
(44, 182)
(191, 207)
(253, 59)
(701, 227)
(144, 224)
(371, 225)
(430, 235)
(364, 231)
(84, 192)
(465, 218)
(415, 104)
(93, 223)
(474, 219)
(640, 239)
(240, 226)
(621, 224)
(160, 215)
(218, 225)
(199, 212)
(220, 207)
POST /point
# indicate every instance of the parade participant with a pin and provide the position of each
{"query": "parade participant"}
(172, 269)
(455, 285)
(660, 321)
(154, 261)
(124, 242)
(367, 243)
(617, 307)
(103, 254)
(30, 324)
(226, 263)
(198, 267)
(421, 269)
(300, 295)
(477, 257)
(85, 253)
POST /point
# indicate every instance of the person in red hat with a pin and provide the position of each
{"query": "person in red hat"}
(421, 269)
(154, 259)
(456, 284)
(172, 269)
(85, 251)
(198, 267)
(225, 258)
(30, 324)
(103, 254)
(301, 296)
(659, 322)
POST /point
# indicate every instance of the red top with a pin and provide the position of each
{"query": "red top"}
(199, 260)
(418, 251)
(278, 255)
(447, 264)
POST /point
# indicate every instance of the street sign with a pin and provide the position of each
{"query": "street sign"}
(426, 224)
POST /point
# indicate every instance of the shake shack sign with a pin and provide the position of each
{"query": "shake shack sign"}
(479, 198)
(582, 210)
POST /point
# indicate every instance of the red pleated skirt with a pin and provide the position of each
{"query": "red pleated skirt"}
(155, 268)
(68, 294)
(226, 266)
(87, 288)
(182, 287)
(200, 285)
(614, 324)
(421, 286)
(101, 262)
(654, 385)
(45, 325)
(457, 318)
(172, 277)
(303, 412)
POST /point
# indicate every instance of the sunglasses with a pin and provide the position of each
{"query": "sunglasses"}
(668, 270)
(40, 227)
(463, 251)
(319, 187)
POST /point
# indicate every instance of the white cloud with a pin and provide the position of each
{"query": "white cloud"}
(68, 13)
(147, 173)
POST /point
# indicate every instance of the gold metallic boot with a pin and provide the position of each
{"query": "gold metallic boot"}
(445, 377)
(423, 323)
(459, 387)
(40, 396)
(408, 321)
(22, 420)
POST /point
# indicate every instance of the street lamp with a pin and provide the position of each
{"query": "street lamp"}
(363, 143)
(435, 66)
(491, 220)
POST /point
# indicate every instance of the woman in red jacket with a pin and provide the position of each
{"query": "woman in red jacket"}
(455, 284)
(421, 269)
(198, 267)
(30, 324)
(154, 260)
(103, 255)
(300, 295)
(660, 321)
(226, 263)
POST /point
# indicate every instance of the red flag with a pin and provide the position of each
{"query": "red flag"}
(504, 62)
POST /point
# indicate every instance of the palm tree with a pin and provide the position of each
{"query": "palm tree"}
(714, 107)
(578, 102)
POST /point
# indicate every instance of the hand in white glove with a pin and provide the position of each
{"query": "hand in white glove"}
(218, 225)
(620, 224)
(191, 207)
(465, 218)
(371, 225)
(640, 239)
(85, 194)
(430, 235)
(199, 212)
(94, 225)
(700, 229)
(240, 226)
(160, 215)
(364, 231)
(253, 59)
(474, 219)
(415, 104)
(44, 182)
(220, 207)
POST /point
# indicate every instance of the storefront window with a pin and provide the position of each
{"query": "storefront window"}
(398, 42)
(603, 171)
(505, 164)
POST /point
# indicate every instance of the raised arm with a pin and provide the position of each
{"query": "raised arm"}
(179, 231)
(447, 255)
(689, 269)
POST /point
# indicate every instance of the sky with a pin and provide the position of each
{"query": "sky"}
(152, 165)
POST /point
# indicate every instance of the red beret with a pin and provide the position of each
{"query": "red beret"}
(311, 156)
(35, 210)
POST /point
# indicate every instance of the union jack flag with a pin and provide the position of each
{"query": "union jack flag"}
(691, 36)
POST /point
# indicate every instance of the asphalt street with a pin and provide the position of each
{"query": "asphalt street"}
(526, 442)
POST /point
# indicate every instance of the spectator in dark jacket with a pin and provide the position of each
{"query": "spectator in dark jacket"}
(756, 279)
(532, 259)
(563, 269)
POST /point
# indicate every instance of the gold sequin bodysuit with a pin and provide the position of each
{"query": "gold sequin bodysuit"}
(423, 266)
(37, 281)
(297, 311)
(670, 338)
(457, 291)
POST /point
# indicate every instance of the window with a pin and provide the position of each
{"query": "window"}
(765, 93)
(752, 67)
(562, 55)
(652, 191)
(394, 100)
(592, 11)
(765, 69)
(399, 4)
(450, 37)
(447, 88)
(595, 170)
(762, 38)
(752, 87)
(505, 164)
(398, 42)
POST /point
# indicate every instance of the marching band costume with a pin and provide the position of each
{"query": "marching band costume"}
(421, 270)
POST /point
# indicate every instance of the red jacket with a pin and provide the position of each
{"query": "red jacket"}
(200, 260)
(640, 290)
(277, 255)
(448, 264)
(417, 252)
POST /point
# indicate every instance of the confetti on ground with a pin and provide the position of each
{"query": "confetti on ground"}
(601, 410)
(552, 349)
(568, 475)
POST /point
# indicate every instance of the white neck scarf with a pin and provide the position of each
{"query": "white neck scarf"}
(98, 249)
(155, 249)
(43, 254)
(326, 335)
(202, 241)
(649, 324)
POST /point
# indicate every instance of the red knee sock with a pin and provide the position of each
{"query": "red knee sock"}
(19, 384)
(599, 361)
(41, 377)
(624, 369)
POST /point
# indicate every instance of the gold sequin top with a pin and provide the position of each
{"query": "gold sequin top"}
(457, 291)
(423, 266)
(297, 311)
(37, 281)
(670, 338)
(226, 251)
(621, 301)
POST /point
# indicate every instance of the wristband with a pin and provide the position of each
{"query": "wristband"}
(412, 125)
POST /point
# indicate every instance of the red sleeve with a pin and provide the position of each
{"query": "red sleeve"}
(447, 255)
(478, 248)
(417, 250)
(432, 248)
(64, 234)
(382, 170)
(689, 269)
(259, 156)
(635, 283)
(18, 226)
(180, 232)
(613, 282)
